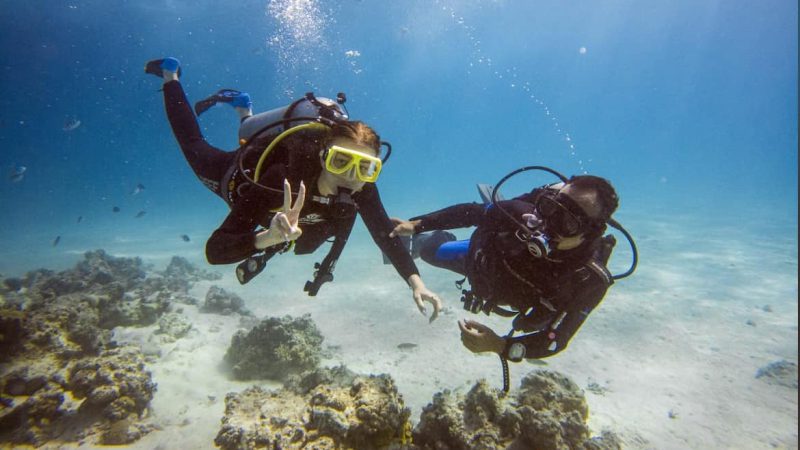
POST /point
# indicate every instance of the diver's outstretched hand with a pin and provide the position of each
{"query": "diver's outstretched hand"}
(479, 338)
(422, 294)
(403, 227)
(284, 226)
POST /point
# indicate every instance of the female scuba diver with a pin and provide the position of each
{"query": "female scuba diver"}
(332, 161)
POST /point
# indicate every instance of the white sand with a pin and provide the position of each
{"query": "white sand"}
(672, 340)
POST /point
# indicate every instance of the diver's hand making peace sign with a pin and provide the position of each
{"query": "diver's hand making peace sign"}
(284, 225)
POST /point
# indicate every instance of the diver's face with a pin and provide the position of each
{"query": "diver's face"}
(565, 216)
(587, 201)
(347, 179)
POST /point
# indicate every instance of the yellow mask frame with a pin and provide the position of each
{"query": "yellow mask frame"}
(340, 160)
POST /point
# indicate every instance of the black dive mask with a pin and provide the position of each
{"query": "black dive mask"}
(553, 215)
(342, 205)
(561, 215)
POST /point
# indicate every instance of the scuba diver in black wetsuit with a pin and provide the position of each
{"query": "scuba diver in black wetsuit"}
(542, 254)
(310, 144)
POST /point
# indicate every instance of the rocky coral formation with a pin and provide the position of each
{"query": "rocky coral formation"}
(220, 301)
(325, 409)
(103, 396)
(179, 276)
(63, 379)
(780, 373)
(275, 348)
(548, 412)
(173, 326)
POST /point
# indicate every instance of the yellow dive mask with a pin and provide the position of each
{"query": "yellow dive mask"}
(341, 160)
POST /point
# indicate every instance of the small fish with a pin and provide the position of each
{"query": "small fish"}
(141, 214)
(71, 123)
(115, 209)
(406, 346)
(536, 362)
(80, 218)
(17, 173)
(185, 238)
(139, 188)
(56, 240)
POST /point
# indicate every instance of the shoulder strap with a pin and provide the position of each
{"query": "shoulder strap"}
(324, 270)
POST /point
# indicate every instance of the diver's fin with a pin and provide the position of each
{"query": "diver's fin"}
(157, 66)
(236, 99)
(485, 191)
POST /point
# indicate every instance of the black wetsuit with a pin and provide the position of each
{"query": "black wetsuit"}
(295, 158)
(561, 290)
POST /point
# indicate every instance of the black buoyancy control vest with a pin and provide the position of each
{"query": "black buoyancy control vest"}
(256, 134)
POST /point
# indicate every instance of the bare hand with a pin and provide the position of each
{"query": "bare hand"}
(403, 227)
(424, 295)
(284, 225)
(479, 338)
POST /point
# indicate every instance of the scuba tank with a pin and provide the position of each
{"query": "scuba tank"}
(306, 109)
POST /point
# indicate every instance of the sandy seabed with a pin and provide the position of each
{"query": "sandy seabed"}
(668, 361)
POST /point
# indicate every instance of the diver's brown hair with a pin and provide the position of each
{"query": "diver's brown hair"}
(358, 132)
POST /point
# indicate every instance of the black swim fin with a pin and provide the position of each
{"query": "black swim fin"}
(156, 66)
(485, 191)
(232, 96)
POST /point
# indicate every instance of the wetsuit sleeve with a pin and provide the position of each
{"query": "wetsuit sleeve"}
(463, 215)
(566, 322)
(234, 240)
(379, 225)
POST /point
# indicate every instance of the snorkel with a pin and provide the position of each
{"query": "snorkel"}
(538, 242)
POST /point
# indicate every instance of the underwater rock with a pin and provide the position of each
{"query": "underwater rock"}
(548, 412)
(13, 284)
(100, 268)
(11, 331)
(220, 301)
(275, 348)
(181, 268)
(47, 401)
(173, 326)
(324, 409)
(63, 380)
(115, 383)
(68, 326)
(780, 373)
(178, 278)
(136, 308)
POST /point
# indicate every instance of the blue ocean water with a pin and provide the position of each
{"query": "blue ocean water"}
(689, 107)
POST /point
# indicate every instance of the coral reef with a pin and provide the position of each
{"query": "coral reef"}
(63, 379)
(548, 412)
(275, 348)
(780, 373)
(324, 409)
(220, 301)
(102, 397)
(180, 275)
